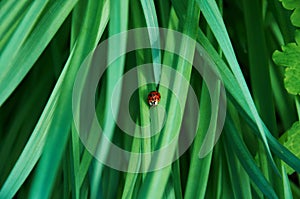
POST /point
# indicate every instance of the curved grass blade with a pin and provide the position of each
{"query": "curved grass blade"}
(21, 33)
(81, 171)
(151, 21)
(118, 23)
(200, 164)
(10, 12)
(61, 123)
(14, 69)
(34, 146)
(233, 140)
(237, 98)
(214, 19)
(156, 182)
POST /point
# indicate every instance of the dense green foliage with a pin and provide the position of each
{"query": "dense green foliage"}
(253, 44)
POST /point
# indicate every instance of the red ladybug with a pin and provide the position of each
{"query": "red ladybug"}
(153, 98)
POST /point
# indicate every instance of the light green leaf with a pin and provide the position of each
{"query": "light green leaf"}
(292, 80)
(289, 57)
(291, 140)
(290, 4)
(295, 17)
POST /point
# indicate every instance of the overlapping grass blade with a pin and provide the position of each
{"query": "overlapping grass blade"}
(10, 12)
(14, 68)
(202, 164)
(245, 158)
(156, 182)
(21, 33)
(81, 170)
(34, 146)
(118, 23)
(151, 21)
(236, 96)
(87, 41)
(214, 19)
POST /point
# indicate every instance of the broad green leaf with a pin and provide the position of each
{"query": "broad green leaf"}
(290, 4)
(295, 17)
(297, 36)
(291, 140)
(289, 57)
(292, 80)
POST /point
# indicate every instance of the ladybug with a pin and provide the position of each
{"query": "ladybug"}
(153, 98)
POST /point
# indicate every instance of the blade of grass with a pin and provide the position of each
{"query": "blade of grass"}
(239, 179)
(15, 141)
(259, 64)
(246, 160)
(156, 182)
(151, 21)
(214, 19)
(10, 13)
(260, 80)
(197, 164)
(234, 93)
(286, 184)
(163, 10)
(143, 76)
(22, 32)
(81, 171)
(75, 159)
(118, 23)
(14, 69)
(61, 123)
(131, 178)
(34, 146)
(176, 179)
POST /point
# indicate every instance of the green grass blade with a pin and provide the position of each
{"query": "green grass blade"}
(118, 23)
(235, 94)
(75, 162)
(61, 123)
(14, 69)
(156, 182)
(246, 160)
(80, 11)
(10, 12)
(131, 178)
(239, 179)
(214, 19)
(259, 61)
(151, 21)
(34, 147)
(286, 184)
(198, 164)
(21, 33)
